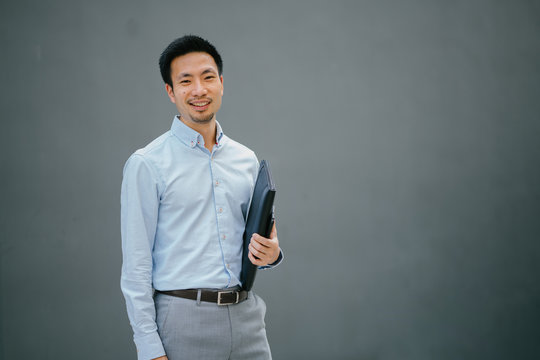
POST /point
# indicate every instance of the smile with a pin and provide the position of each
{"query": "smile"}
(200, 104)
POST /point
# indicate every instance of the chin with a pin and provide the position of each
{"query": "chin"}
(202, 119)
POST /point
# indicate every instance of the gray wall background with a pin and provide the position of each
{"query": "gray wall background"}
(404, 138)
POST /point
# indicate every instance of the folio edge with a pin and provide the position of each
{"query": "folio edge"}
(260, 220)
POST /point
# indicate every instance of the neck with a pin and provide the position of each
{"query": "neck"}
(207, 130)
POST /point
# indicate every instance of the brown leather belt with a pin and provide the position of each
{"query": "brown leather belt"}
(220, 297)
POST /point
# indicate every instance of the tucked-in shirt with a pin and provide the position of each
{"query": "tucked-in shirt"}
(183, 213)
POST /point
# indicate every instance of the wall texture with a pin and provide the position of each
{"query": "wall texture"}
(404, 138)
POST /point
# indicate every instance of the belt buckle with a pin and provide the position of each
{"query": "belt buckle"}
(219, 302)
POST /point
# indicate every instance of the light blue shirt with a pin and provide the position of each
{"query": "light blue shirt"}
(183, 212)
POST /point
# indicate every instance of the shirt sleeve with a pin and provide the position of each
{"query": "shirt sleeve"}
(275, 263)
(280, 257)
(139, 212)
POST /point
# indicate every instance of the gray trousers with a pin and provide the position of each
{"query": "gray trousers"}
(203, 330)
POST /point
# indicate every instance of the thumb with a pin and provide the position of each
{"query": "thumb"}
(273, 233)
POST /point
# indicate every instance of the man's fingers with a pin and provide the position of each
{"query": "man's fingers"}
(255, 251)
(261, 240)
(258, 246)
(263, 251)
(255, 261)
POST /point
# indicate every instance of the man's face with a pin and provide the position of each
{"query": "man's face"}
(197, 87)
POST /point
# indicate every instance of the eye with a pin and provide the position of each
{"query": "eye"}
(209, 77)
(184, 82)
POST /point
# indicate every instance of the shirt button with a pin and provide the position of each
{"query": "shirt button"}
(220, 210)
(217, 182)
(224, 236)
(228, 266)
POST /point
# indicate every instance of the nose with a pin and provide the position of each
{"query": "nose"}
(198, 89)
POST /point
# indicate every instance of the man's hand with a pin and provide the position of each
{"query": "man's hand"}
(266, 250)
(161, 358)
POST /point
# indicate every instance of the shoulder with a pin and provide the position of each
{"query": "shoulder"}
(147, 155)
(239, 149)
(155, 146)
(154, 149)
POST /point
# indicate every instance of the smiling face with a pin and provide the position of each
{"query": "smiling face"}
(197, 87)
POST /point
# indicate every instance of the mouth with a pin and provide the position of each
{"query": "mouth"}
(200, 105)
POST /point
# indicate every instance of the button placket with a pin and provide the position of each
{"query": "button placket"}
(221, 212)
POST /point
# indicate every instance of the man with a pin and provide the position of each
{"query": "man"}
(184, 202)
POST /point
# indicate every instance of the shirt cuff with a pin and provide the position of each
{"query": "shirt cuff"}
(149, 346)
(275, 263)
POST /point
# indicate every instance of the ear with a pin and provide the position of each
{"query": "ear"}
(170, 92)
(221, 79)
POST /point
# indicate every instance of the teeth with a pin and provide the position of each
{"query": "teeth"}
(200, 104)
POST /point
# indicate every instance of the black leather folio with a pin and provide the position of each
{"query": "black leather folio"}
(260, 220)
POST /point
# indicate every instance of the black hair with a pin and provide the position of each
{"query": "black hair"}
(182, 46)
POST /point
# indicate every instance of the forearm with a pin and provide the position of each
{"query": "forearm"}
(141, 313)
(139, 209)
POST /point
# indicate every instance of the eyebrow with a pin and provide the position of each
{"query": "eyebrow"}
(207, 71)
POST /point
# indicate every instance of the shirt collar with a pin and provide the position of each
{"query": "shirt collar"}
(191, 137)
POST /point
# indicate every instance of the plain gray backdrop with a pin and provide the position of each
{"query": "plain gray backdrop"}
(404, 141)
